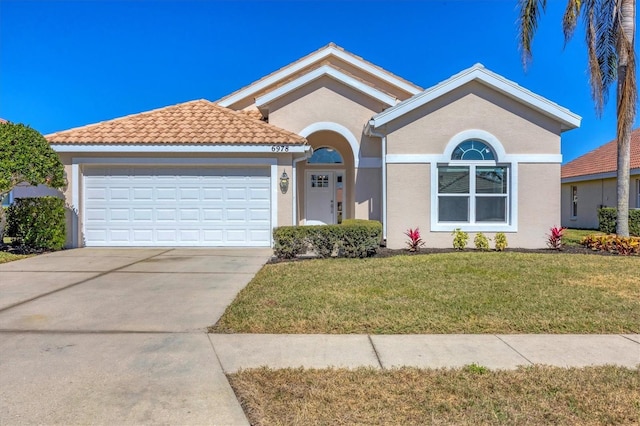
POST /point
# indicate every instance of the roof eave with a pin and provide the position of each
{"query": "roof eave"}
(567, 119)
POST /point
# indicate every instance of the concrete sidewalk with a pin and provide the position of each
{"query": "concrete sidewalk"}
(242, 351)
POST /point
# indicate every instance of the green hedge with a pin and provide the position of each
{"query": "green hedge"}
(607, 220)
(354, 238)
(37, 223)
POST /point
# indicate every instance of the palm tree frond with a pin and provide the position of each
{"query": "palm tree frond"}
(570, 19)
(530, 11)
(595, 77)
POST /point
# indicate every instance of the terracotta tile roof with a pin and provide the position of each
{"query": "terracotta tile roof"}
(602, 159)
(333, 45)
(194, 122)
(2, 120)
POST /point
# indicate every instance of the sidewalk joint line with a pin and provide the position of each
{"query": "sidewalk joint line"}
(628, 338)
(39, 296)
(515, 350)
(375, 351)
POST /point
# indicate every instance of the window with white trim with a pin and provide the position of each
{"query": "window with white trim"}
(473, 188)
(574, 201)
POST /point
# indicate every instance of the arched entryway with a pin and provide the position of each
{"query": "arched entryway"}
(326, 194)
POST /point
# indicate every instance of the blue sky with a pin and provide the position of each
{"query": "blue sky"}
(65, 64)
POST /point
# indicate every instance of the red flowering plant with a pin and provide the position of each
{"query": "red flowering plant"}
(415, 241)
(554, 238)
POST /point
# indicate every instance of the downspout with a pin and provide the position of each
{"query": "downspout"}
(370, 132)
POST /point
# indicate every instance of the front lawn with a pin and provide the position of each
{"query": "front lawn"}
(530, 395)
(10, 257)
(443, 293)
(572, 237)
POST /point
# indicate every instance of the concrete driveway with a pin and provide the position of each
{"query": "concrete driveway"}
(118, 336)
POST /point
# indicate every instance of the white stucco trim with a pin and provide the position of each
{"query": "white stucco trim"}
(177, 149)
(511, 158)
(294, 188)
(331, 72)
(77, 162)
(341, 130)
(502, 158)
(75, 202)
(320, 55)
(479, 73)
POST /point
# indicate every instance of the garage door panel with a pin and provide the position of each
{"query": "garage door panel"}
(177, 206)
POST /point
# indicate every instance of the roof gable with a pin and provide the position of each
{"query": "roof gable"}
(482, 75)
(320, 56)
(195, 122)
(603, 159)
(331, 72)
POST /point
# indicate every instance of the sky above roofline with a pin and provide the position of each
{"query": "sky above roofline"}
(65, 64)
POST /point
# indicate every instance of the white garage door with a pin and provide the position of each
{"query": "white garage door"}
(177, 206)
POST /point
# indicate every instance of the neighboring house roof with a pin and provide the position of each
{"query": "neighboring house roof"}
(319, 57)
(482, 75)
(195, 122)
(2, 120)
(602, 160)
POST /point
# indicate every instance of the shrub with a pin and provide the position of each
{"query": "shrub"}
(361, 238)
(37, 223)
(460, 239)
(415, 241)
(354, 238)
(324, 239)
(554, 238)
(500, 241)
(289, 241)
(607, 220)
(625, 246)
(481, 241)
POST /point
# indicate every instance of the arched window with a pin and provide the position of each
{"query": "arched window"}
(325, 155)
(473, 150)
(473, 188)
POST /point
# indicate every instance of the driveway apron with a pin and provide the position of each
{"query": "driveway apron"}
(118, 336)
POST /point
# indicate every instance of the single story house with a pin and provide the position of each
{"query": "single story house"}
(327, 137)
(589, 182)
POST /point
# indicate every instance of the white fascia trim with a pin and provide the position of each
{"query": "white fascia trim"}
(439, 158)
(175, 161)
(479, 73)
(329, 71)
(178, 149)
(598, 176)
(318, 56)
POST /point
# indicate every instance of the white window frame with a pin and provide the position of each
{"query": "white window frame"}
(502, 160)
(573, 198)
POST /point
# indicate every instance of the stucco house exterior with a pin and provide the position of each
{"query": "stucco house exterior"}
(589, 182)
(327, 137)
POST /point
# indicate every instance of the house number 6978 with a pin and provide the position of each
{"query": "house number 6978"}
(279, 148)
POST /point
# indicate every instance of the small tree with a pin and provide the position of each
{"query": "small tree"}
(26, 156)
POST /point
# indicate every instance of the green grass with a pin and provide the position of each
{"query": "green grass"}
(9, 257)
(530, 395)
(572, 237)
(467, 292)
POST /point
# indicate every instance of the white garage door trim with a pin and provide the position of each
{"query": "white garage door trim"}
(77, 162)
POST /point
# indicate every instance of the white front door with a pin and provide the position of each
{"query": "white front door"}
(320, 198)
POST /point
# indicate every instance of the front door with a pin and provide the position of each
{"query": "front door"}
(320, 196)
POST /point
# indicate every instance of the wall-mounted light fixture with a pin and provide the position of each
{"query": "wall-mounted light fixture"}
(284, 182)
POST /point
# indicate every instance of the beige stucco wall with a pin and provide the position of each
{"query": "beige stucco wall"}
(592, 194)
(408, 203)
(428, 130)
(284, 201)
(326, 100)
